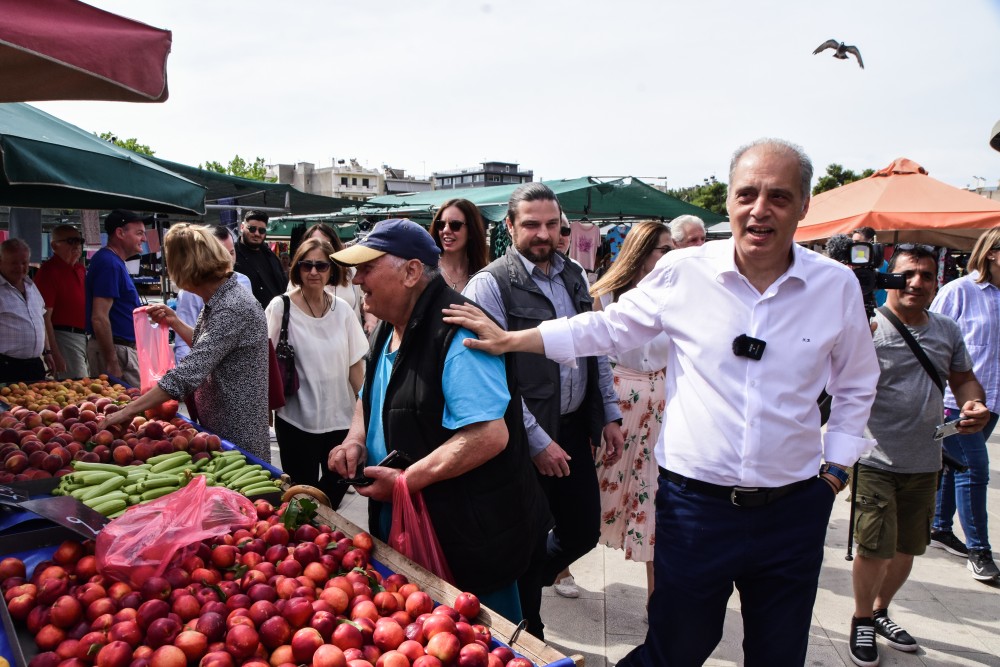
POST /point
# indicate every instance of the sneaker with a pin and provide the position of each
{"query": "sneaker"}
(982, 566)
(895, 636)
(945, 539)
(566, 587)
(863, 650)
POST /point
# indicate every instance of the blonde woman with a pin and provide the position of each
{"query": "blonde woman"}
(628, 486)
(228, 345)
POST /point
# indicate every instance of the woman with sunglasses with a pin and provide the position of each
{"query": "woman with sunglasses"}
(459, 231)
(329, 359)
(628, 486)
(342, 288)
(974, 302)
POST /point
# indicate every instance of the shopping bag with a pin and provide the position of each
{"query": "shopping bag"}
(152, 345)
(141, 543)
(412, 533)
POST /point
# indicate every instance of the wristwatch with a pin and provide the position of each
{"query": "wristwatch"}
(837, 472)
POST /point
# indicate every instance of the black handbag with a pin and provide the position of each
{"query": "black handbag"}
(285, 354)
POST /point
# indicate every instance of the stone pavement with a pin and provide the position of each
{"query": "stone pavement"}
(954, 618)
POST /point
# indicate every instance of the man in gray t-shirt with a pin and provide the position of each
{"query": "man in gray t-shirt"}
(897, 481)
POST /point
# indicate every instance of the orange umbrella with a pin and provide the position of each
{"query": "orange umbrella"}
(67, 50)
(904, 200)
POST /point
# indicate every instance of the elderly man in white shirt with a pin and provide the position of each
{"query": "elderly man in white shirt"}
(23, 340)
(758, 328)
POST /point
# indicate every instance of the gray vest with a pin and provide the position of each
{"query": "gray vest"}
(537, 377)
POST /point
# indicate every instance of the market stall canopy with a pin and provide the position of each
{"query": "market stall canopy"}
(223, 189)
(48, 163)
(66, 50)
(626, 197)
(903, 204)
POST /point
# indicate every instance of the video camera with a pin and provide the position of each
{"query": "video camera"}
(865, 259)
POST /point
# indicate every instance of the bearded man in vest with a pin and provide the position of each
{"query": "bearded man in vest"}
(452, 410)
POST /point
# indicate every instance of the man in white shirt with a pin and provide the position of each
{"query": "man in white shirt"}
(23, 340)
(758, 327)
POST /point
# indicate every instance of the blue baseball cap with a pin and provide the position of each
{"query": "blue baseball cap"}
(400, 237)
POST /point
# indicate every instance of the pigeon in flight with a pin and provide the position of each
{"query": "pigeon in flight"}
(841, 50)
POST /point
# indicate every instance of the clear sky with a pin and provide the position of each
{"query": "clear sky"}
(568, 87)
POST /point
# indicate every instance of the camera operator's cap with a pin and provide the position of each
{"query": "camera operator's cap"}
(119, 218)
(400, 237)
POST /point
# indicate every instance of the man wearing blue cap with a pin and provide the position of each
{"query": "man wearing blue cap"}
(448, 408)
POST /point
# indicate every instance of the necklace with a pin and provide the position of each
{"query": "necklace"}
(450, 280)
(309, 305)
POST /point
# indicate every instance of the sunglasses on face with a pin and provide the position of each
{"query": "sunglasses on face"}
(919, 247)
(453, 225)
(565, 231)
(72, 241)
(256, 230)
(307, 267)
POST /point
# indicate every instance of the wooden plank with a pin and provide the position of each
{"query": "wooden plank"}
(527, 645)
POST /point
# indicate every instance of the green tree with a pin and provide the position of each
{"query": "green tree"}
(711, 195)
(131, 144)
(836, 176)
(256, 170)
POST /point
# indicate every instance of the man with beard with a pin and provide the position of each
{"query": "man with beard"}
(256, 261)
(566, 409)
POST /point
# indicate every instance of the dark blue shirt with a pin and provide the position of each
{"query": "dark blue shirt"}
(108, 277)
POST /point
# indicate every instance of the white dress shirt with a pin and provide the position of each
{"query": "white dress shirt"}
(732, 420)
(22, 320)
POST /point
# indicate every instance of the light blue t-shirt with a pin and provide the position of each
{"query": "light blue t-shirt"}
(464, 369)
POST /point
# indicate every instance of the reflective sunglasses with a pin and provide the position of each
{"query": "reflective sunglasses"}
(565, 231)
(307, 267)
(73, 241)
(910, 247)
(453, 225)
(256, 230)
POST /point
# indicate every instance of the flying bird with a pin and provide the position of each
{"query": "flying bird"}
(841, 50)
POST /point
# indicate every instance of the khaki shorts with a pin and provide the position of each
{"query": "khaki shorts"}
(894, 512)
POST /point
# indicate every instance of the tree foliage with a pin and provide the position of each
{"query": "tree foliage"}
(255, 170)
(711, 195)
(131, 144)
(836, 176)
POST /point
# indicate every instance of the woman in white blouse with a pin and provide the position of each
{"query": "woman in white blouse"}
(329, 349)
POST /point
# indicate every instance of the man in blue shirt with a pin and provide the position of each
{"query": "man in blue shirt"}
(449, 408)
(111, 297)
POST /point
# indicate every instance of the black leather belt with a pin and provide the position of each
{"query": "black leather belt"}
(123, 341)
(740, 496)
(59, 327)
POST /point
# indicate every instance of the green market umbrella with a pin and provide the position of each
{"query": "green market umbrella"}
(48, 163)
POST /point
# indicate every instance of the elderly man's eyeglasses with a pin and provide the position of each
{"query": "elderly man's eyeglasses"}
(565, 231)
(256, 230)
(453, 225)
(307, 267)
(73, 241)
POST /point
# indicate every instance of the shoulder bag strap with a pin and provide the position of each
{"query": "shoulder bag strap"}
(283, 337)
(918, 351)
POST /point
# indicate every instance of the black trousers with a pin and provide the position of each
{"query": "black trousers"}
(21, 370)
(575, 503)
(304, 456)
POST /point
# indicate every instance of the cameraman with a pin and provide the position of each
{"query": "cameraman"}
(867, 235)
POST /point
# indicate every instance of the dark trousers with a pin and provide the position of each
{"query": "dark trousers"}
(21, 370)
(705, 546)
(575, 503)
(304, 456)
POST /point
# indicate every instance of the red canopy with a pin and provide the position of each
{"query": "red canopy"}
(66, 50)
(904, 200)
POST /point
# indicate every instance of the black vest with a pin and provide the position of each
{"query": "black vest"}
(537, 377)
(488, 519)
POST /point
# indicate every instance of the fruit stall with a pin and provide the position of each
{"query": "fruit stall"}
(176, 550)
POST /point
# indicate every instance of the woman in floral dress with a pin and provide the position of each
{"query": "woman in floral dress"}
(628, 487)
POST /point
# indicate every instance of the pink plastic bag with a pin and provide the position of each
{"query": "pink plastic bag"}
(141, 543)
(412, 533)
(152, 344)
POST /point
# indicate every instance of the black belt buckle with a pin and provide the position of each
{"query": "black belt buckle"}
(740, 494)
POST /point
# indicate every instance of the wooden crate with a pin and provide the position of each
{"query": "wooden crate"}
(441, 591)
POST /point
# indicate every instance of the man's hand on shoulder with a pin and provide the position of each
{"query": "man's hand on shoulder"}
(552, 461)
